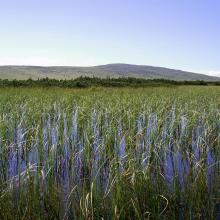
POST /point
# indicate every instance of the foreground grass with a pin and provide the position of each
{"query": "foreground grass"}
(144, 153)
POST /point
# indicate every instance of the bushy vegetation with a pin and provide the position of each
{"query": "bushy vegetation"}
(109, 153)
(86, 82)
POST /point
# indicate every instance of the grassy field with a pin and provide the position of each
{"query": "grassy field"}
(98, 153)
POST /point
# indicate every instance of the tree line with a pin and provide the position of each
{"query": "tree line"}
(86, 82)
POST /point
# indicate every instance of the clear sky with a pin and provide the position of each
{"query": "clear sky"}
(181, 34)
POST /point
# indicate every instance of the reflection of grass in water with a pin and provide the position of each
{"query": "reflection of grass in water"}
(109, 153)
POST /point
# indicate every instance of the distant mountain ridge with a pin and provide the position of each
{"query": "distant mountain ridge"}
(109, 70)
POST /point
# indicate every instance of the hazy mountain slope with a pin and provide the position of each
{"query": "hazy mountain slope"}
(110, 70)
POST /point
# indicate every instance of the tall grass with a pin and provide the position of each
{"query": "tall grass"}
(149, 153)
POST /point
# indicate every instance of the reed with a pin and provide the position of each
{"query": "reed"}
(146, 153)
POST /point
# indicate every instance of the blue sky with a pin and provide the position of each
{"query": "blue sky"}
(181, 34)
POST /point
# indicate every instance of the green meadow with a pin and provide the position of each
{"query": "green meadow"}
(110, 153)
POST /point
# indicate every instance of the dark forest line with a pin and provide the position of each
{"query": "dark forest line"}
(86, 82)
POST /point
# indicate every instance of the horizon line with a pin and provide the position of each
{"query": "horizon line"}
(214, 73)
